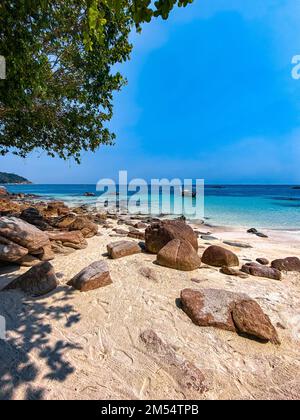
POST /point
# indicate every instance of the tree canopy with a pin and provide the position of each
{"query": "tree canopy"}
(60, 55)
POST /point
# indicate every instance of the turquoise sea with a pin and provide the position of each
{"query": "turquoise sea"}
(261, 206)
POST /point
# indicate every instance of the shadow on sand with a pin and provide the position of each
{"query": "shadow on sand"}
(29, 329)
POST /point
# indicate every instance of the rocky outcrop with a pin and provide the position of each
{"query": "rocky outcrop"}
(38, 281)
(158, 234)
(11, 252)
(85, 226)
(258, 270)
(122, 249)
(219, 257)
(228, 311)
(23, 234)
(92, 277)
(287, 264)
(180, 255)
(74, 240)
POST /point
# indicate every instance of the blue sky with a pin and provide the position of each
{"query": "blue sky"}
(210, 95)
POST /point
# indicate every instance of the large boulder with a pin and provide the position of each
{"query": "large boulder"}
(228, 311)
(11, 252)
(258, 270)
(122, 249)
(23, 234)
(287, 264)
(219, 257)
(92, 277)
(38, 281)
(179, 254)
(158, 234)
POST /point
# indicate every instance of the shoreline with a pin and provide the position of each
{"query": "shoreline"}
(91, 342)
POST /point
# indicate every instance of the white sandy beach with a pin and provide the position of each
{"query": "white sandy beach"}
(72, 345)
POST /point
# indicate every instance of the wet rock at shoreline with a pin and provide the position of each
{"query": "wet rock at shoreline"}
(258, 270)
(180, 255)
(257, 233)
(160, 233)
(287, 264)
(238, 244)
(3, 192)
(38, 281)
(217, 256)
(92, 277)
(229, 311)
(122, 249)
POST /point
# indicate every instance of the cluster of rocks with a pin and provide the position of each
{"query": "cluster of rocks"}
(33, 232)
(37, 233)
(175, 243)
(228, 311)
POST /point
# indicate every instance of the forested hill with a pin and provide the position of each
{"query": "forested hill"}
(12, 179)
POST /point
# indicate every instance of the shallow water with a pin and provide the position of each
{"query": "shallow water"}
(272, 206)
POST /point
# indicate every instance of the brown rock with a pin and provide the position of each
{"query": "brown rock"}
(219, 257)
(188, 376)
(210, 307)
(22, 233)
(11, 252)
(65, 222)
(179, 254)
(262, 261)
(85, 225)
(160, 233)
(250, 319)
(229, 271)
(59, 248)
(73, 239)
(28, 261)
(259, 270)
(33, 216)
(287, 264)
(47, 253)
(38, 281)
(137, 235)
(92, 277)
(228, 311)
(122, 249)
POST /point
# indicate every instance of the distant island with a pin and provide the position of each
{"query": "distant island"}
(12, 179)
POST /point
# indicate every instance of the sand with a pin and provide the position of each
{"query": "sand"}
(72, 345)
